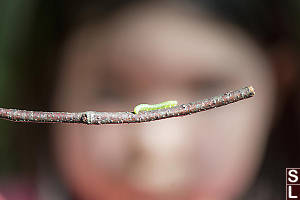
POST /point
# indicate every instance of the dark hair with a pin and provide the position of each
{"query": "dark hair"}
(267, 20)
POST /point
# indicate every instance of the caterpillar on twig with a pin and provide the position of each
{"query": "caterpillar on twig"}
(147, 107)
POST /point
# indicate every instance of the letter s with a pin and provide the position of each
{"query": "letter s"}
(293, 177)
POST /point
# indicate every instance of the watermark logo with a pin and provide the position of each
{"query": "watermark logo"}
(292, 183)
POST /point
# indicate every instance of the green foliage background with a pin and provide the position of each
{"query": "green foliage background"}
(28, 38)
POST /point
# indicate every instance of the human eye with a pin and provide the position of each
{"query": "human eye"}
(209, 87)
(109, 96)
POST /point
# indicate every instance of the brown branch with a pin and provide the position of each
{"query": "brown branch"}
(92, 117)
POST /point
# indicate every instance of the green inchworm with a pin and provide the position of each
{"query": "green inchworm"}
(147, 107)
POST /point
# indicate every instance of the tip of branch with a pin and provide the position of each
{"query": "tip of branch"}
(251, 89)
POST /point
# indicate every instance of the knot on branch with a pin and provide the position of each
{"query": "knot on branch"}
(88, 117)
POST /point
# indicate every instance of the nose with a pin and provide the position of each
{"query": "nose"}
(162, 139)
(160, 155)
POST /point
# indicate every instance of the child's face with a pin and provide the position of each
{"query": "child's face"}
(150, 55)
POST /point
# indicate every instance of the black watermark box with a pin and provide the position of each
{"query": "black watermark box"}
(292, 183)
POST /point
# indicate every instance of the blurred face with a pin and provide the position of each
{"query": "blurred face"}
(150, 55)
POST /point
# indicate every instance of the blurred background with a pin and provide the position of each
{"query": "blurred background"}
(36, 36)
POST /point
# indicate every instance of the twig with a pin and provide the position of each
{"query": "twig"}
(92, 117)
